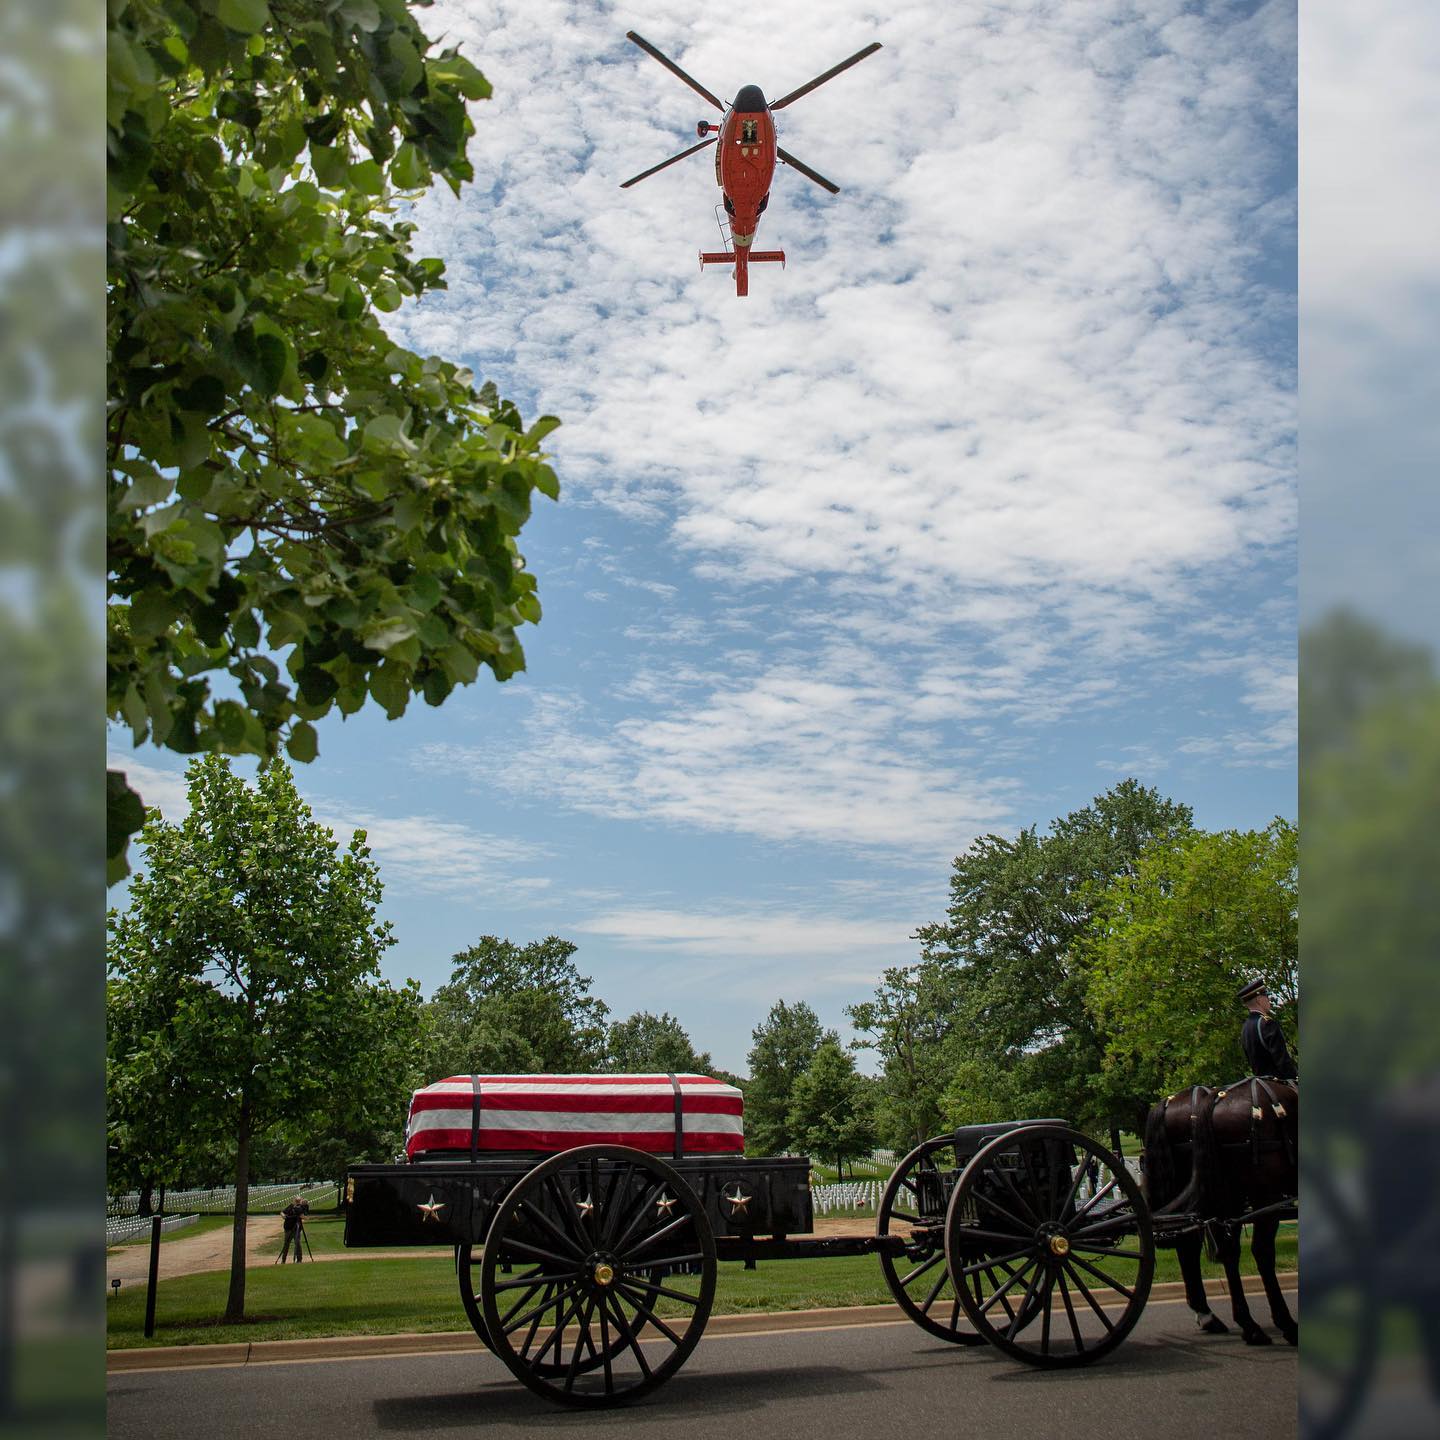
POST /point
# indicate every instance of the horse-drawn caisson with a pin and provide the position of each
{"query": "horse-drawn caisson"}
(588, 1216)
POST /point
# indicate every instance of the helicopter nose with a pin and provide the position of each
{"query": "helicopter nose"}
(750, 99)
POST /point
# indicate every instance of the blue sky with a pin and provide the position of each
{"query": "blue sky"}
(983, 503)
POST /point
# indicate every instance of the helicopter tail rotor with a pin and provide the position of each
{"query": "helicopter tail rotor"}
(645, 174)
(675, 70)
(830, 74)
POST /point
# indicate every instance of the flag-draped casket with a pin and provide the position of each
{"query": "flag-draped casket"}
(667, 1115)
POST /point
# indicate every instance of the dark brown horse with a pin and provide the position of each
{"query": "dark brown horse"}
(1226, 1157)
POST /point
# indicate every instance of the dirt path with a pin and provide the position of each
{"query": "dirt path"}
(186, 1254)
(190, 1254)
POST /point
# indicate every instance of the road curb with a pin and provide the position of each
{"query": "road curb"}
(439, 1342)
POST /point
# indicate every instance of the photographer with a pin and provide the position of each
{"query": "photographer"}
(293, 1216)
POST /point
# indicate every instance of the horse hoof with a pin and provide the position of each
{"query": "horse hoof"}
(1214, 1326)
(1257, 1337)
(1292, 1335)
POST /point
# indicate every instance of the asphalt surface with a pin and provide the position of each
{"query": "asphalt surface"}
(871, 1382)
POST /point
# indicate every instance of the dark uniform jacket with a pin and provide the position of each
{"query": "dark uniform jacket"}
(1265, 1049)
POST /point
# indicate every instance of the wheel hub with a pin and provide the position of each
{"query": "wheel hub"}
(604, 1270)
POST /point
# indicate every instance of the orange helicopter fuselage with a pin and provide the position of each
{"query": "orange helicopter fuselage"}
(745, 162)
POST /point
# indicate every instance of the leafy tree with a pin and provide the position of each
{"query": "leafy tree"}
(1017, 909)
(785, 1044)
(654, 1043)
(1171, 942)
(285, 482)
(909, 1024)
(249, 956)
(515, 1009)
(831, 1111)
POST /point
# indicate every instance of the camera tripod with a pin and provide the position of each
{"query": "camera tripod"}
(299, 1236)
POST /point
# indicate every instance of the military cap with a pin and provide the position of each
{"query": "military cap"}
(1249, 988)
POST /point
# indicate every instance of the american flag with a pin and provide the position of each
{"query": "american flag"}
(559, 1112)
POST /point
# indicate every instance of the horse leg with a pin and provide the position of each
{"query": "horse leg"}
(1262, 1247)
(1229, 1247)
(1187, 1252)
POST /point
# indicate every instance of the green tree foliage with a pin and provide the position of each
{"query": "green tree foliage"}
(1170, 943)
(1372, 851)
(910, 1024)
(785, 1044)
(515, 1010)
(831, 1109)
(647, 1043)
(297, 505)
(1024, 1039)
(246, 969)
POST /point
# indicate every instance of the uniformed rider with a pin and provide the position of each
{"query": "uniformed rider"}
(1261, 1038)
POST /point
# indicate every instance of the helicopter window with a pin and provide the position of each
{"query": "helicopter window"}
(749, 132)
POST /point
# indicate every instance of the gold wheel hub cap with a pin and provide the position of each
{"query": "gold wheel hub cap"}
(1059, 1245)
(604, 1274)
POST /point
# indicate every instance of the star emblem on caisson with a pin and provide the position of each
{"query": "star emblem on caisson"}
(585, 1206)
(665, 1204)
(430, 1209)
(739, 1202)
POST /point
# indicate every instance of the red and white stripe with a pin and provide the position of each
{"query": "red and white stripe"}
(559, 1112)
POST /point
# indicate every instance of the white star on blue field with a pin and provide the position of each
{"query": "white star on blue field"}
(983, 503)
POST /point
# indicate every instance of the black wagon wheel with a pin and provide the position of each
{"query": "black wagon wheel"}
(1059, 1230)
(597, 1276)
(467, 1273)
(912, 1205)
(1342, 1309)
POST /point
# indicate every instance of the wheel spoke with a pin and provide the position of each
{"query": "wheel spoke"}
(551, 1228)
(622, 1325)
(1026, 1313)
(919, 1270)
(536, 1274)
(935, 1290)
(902, 1215)
(563, 1295)
(1099, 1274)
(633, 1219)
(535, 1324)
(1106, 1250)
(1000, 1293)
(1045, 1318)
(1003, 1236)
(574, 1369)
(1011, 1187)
(648, 1313)
(1111, 1225)
(994, 1260)
(994, 1285)
(660, 1234)
(562, 1263)
(1070, 1315)
(655, 1289)
(1030, 1174)
(563, 1312)
(1089, 1298)
(1097, 1197)
(605, 1348)
(1021, 1227)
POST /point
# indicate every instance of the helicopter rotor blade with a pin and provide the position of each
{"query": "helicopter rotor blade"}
(673, 68)
(645, 174)
(830, 74)
(806, 171)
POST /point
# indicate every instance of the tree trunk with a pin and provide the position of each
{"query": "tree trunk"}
(147, 1191)
(235, 1301)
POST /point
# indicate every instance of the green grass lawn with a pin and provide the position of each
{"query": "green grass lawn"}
(397, 1296)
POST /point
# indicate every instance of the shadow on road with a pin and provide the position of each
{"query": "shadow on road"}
(729, 1392)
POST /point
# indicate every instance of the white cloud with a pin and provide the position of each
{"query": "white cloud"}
(417, 854)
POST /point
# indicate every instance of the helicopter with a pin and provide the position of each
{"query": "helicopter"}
(744, 158)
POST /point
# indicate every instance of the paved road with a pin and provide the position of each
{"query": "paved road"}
(876, 1382)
